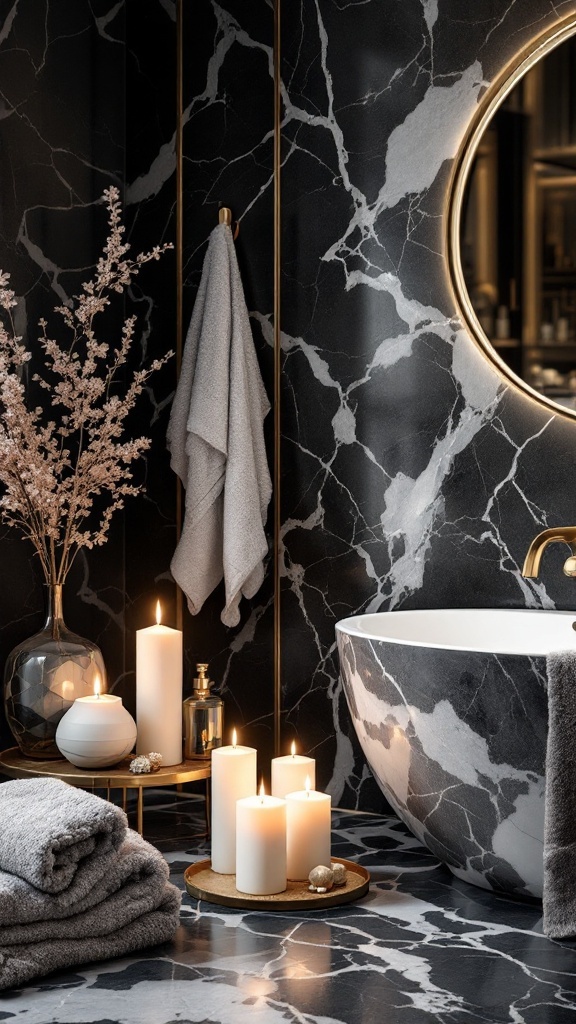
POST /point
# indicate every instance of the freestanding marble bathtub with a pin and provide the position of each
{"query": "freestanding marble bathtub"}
(450, 709)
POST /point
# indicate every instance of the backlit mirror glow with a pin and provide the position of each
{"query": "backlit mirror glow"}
(513, 222)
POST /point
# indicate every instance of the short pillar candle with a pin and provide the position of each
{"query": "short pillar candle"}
(96, 732)
(159, 691)
(233, 772)
(261, 845)
(307, 832)
(289, 773)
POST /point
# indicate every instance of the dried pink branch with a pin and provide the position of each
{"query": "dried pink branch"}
(66, 468)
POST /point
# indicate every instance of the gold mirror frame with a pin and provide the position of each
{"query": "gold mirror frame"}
(523, 61)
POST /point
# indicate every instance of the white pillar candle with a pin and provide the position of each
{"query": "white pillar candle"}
(233, 776)
(159, 691)
(289, 773)
(261, 845)
(307, 832)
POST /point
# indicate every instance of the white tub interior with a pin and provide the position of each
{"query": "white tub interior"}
(490, 630)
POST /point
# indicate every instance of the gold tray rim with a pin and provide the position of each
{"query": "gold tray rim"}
(309, 901)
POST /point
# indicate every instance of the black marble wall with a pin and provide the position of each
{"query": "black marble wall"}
(93, 101)
(149, 521)
(87, 103)
(62, 142)
(410, 476)
(228, 161)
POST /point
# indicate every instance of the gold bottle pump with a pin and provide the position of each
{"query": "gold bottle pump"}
(202, 683)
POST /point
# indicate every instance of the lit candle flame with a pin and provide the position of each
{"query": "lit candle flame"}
(262, 792)
(293, 749)
(97, 686)
(158, 613)
(307, 785)
(234, 738)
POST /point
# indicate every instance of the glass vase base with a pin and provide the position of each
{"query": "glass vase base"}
(43, 677)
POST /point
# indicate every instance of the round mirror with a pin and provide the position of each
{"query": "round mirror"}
(512, 221)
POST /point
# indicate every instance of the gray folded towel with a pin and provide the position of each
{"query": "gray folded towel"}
(132, 906)
(22, 963)
(52, 834)
(216, 441)
(134, 880)
(559, 897)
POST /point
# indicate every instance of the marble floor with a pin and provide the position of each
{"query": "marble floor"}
(420, 947)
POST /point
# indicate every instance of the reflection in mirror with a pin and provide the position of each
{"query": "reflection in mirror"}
(518, 228)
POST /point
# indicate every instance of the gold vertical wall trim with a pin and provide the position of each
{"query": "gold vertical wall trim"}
(277, 380)
(179, 252)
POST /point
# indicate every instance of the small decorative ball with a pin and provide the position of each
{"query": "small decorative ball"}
(339, 872)
(321, 878)
(144, 763)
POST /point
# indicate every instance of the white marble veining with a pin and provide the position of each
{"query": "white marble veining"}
(419, 469)
(411, 475)
(455, 731)
(398, 954)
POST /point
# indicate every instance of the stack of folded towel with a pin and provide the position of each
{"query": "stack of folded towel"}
(76, 885)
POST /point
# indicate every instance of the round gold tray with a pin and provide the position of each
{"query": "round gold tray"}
(205, 884)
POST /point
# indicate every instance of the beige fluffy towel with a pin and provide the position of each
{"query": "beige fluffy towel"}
(216, 441)
(56, 836)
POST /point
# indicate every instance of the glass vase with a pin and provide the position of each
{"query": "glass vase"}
(43, 677)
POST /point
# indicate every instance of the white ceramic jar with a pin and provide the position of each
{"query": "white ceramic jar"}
(97, 732)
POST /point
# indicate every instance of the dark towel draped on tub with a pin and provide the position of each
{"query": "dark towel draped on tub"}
(560, 815)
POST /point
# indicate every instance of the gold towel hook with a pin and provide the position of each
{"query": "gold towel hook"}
(225, 217)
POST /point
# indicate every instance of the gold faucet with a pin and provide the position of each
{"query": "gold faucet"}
(566, 534)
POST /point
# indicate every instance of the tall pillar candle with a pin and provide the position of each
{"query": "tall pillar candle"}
(289, 773)
(159, 691)
(307, 832)
(261, 845)
(233, 776)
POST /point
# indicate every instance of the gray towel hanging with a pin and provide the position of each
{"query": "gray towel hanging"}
(216, 441)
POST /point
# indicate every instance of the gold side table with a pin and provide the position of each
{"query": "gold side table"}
(16, 766)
